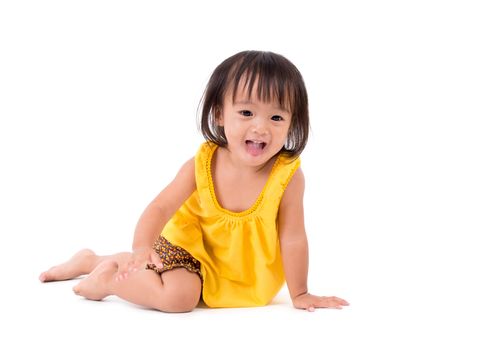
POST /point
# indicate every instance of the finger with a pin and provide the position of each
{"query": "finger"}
(123, 268)
(328, 302)
(155, 259)
(310, 308)
(131, 265)
(341, 301)
(121, 276)
(137, 264)
(123, 271)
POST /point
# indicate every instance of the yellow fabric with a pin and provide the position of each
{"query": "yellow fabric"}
(239, 252)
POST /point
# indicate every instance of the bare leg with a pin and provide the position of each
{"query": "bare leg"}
(82, 263)
(177, 290)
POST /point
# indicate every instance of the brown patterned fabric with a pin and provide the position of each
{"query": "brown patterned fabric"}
(173, 256)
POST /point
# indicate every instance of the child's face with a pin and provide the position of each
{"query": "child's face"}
(255, 130)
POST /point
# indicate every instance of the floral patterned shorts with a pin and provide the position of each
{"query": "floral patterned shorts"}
(173, 256)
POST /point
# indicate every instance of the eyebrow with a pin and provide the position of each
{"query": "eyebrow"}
(249, 102)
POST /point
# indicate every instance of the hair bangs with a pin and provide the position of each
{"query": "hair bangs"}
(265, 80)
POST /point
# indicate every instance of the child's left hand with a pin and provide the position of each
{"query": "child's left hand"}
(310, 302)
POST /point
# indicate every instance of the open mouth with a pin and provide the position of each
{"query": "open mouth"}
(255, 147)
(255, 144)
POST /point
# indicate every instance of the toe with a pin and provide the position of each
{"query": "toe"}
(47, 276)
(76, 289)
(43, 277)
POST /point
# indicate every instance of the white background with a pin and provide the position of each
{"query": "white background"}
(98, 103)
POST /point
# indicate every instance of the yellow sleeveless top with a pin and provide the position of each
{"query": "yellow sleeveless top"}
(238, 251)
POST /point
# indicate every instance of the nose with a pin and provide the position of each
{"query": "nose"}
(259, 126)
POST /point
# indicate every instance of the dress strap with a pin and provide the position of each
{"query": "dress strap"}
(202, 164)
(203, 175)
(285, 169)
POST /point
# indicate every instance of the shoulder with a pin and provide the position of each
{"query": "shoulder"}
(187, 168)
(298, 180)
(294, 191)
(185, 179)
(179, 189)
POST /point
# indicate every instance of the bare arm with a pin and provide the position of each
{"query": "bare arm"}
(294, 248)
(293, 239)
(154, 218)
(161, 209)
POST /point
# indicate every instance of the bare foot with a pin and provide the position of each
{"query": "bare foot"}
(79, 264)
(93, 287)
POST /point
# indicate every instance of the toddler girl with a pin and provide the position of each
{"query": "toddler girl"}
(229, 228)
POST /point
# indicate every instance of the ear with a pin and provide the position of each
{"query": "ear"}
(219, 119)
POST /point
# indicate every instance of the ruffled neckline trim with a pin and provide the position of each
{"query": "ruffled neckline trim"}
(211, 186)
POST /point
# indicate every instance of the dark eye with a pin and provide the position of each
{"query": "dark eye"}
(277, 118)
(246, 113)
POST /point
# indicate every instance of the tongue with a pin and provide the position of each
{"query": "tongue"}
(254, 149)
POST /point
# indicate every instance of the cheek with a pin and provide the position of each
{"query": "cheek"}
(286, 131)
(231, 130)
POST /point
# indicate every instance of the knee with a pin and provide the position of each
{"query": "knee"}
(178, 299)
(181, 291)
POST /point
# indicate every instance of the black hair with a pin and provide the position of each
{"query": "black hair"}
(277, 80)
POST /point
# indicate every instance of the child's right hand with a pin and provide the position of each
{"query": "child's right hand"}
(139, 260)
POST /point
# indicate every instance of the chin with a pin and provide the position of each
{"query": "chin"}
(261, 159)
